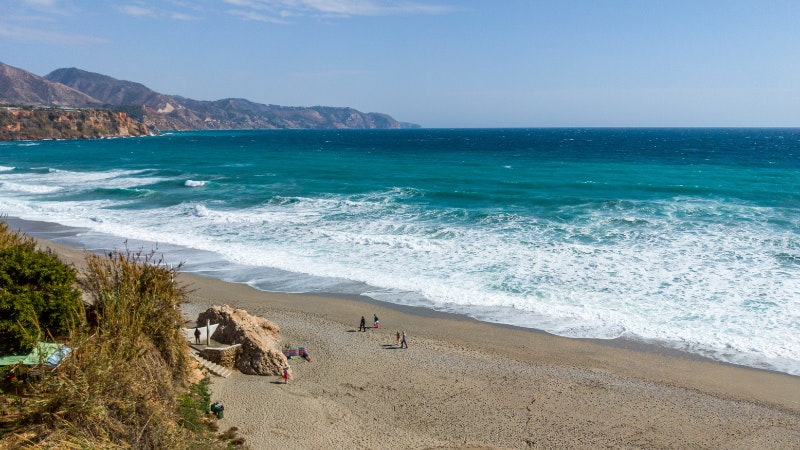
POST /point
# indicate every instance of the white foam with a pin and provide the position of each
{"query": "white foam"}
(655, 273)
(28, 188)
(55, 180)
(193, 183)
(200, 211)
(5, 168)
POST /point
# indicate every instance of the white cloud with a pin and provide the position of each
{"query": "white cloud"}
(42, 5)
(47, 8)
(254, 16)
(182, 16)
(30, 35)
(141, 10)
(333, 8)
(372, 7)
(137, 11)
(43, 22)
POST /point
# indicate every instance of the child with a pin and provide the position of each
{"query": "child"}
(286, 375)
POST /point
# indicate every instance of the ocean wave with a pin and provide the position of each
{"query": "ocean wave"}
(200, 211)
(29, 188)
(193, 183)
(716, 275)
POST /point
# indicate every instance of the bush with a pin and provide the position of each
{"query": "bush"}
(134, 297)
(125, 384)
(38, 298)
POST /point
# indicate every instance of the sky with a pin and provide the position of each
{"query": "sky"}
(440, 63)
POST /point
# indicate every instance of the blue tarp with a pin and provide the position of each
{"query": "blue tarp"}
(46, 353)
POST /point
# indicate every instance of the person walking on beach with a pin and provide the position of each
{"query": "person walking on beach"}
(403, 343)
(398, 338)
(196, 335)
(375, 321)
(286, 375)
(363, 325)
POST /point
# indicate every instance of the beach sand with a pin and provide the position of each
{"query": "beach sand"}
(466, 384)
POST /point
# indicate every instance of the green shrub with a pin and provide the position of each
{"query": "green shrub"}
(193, 407)
(125, 383)
(38, 298)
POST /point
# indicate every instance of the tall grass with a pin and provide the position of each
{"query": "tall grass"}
(135, 298)
(129, 366)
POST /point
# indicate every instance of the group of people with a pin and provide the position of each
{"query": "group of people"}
(362, 326)
(402, 341)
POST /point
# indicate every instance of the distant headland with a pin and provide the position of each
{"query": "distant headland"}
(54, 106)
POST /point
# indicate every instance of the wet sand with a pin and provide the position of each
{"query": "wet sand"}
(467, 384)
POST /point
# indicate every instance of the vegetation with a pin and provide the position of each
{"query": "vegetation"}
(34, 123)
(125, 384)
(37, 295)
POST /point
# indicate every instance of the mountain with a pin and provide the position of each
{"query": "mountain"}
(18, 86)
(56, 111)
(170, 112)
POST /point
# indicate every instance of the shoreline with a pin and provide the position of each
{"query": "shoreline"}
(49, 231)
(469, 384)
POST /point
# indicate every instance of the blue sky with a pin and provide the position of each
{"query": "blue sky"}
(439, 63)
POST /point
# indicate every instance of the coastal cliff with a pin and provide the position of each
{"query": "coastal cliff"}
(75, 88)
(27, 123)
(173, 112)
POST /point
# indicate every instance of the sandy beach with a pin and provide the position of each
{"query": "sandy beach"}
(466, 384)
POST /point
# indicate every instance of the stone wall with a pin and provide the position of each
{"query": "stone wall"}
(224, 356)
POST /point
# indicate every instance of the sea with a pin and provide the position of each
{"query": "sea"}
(688, 239)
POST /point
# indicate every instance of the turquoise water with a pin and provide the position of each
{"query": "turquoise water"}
(689, 238)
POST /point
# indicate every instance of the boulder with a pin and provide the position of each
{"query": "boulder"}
(260, 352)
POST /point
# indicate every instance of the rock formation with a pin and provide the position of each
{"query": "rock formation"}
(18, 123)
(261, 352)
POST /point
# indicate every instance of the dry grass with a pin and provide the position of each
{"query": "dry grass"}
(120, 386)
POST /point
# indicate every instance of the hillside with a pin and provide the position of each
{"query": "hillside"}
(18, 86)
(75, 88)
(169, 112)
(18, 123)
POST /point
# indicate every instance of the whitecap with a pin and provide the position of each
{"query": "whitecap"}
(193, 183)
(29, 188)
(200, 211)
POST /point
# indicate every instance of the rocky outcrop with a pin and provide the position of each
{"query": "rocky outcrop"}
(18, 123)
(259, 338)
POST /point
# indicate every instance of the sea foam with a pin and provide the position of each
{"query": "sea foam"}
(606, 252)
